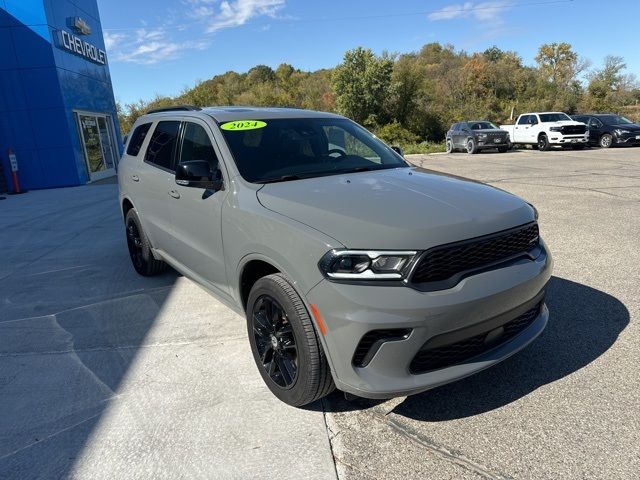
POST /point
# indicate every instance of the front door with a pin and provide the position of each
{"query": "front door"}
(98, 144)
(196, 213)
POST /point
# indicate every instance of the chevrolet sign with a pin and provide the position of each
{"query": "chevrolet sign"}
(77, 46)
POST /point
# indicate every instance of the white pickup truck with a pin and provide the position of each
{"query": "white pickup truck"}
(546, 129)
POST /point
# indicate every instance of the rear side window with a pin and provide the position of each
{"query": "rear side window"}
(162, 145)
(137, 139)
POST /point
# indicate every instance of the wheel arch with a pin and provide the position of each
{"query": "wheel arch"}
(126, 206)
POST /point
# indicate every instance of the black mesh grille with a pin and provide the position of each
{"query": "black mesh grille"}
(574, 129)
(428, 359)
(372, 340)
(444, 262)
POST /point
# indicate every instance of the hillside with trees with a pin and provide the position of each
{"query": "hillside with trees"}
(411, 99)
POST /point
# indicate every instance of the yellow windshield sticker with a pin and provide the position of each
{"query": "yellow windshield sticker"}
(243, 125)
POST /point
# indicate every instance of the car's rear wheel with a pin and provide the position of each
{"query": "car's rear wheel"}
(140, 248)
(285, 344)
(543, 143)
(471, 146)
(449, 146)
(606, 140)
(503, 149)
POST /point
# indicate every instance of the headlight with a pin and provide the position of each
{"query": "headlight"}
(365, 264)
(620, 131)
(556, 129)
(482, 136)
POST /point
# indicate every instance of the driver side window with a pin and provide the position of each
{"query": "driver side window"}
(196, 145)
(595, 123)
(340, 139)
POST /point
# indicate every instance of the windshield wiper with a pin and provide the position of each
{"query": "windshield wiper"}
(283, 178)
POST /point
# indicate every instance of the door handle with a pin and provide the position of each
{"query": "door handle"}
(174, 193)
(135, 178)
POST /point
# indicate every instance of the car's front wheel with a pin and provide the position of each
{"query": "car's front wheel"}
(606, 140)
(285, 344)
(449, 146)
(471, 146)
(140, 248)
(543, 143)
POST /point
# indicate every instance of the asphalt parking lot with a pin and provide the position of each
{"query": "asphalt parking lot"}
(104, 374)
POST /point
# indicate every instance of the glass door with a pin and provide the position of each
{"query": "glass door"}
(98, 144)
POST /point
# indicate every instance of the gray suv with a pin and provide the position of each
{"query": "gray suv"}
(352, 268)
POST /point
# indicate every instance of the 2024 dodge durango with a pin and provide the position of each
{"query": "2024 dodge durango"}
(352, 268)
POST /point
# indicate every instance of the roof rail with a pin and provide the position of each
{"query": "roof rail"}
(175, 108)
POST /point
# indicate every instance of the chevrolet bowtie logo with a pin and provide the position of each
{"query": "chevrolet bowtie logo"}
(79, 26)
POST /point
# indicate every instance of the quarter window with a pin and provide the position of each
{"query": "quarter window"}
(197, 145)
(137, 139)
(162, 145)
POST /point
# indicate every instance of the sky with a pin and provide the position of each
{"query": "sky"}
(160, 47)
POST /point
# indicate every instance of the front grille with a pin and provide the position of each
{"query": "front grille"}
(373, 340)
(574, 129)
(445, 262)
(428, 359)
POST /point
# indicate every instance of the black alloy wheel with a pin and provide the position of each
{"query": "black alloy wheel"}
(134, 242)
(275, 341)
(543, 143)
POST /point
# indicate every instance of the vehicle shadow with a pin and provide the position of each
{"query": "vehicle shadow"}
(584, 323)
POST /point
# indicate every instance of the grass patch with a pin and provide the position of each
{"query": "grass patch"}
(423, 147)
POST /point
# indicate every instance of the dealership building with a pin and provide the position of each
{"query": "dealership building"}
(57, 109)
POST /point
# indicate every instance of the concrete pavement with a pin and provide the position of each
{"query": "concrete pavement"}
(105, 374)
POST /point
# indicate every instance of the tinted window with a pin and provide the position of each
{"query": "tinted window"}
(162, 145)
(137, 139)
(554, 117)
(524, 120)
(483, 126)
(615, 120)
(292, 148)
(595, 123)
(196, 145)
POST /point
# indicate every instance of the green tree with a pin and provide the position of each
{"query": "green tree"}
(362, 84)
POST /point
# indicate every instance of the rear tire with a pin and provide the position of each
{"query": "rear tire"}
(606, 140)
(472, 148)
(503, 149)
(285, 344)
(140, 248)
(543, 143)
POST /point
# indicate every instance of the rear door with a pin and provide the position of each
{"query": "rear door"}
(152, 181)
(196, 213)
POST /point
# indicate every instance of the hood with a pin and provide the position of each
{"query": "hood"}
(632, 127)
(403, 208)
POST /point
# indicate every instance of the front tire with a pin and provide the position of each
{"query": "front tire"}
(472, 148)
(606, 140)
(449, 146)
(543, 143)
(285, 344)
(140, 248)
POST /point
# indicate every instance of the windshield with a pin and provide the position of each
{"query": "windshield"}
(482, 126)
(614, 120)
(272, 150)
(554, 117)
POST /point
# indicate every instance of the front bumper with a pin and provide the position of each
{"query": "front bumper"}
(568, 139)
(350, 311)
(628, 138)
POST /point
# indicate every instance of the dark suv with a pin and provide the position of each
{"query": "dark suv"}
(477, 135)
(608, 129)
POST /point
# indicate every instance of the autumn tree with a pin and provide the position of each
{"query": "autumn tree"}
(361, 84)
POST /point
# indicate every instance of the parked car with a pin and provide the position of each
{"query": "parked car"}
(609, 129)
(476, 135)
(351, 267)
(546, 129)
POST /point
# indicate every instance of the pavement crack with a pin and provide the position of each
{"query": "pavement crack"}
(435, 448)
(331, 436)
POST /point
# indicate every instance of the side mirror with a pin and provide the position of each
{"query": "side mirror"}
(198, 174)
(398, 150)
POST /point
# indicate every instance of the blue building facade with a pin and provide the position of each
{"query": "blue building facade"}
(57, 109)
